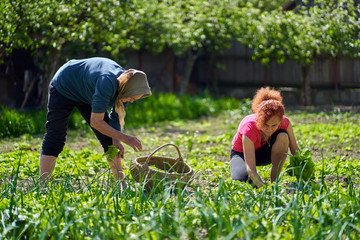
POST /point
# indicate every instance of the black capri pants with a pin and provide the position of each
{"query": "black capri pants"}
(263, 157)
(59, 109)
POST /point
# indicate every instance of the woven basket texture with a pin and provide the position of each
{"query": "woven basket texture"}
(158, 171)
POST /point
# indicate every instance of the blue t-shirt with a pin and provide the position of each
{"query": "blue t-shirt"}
(92, 81)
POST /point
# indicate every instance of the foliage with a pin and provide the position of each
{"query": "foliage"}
(135, 25)
(326, 28)
(157, 108)
(55, 31)
(111, 153)
(268, 5)
(115, 26)
(167, 106)
(52, 24)
(12, 123)
(301, 166)
(200, 25)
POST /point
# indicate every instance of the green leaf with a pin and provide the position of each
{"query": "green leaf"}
(111, 153)
(302, 166)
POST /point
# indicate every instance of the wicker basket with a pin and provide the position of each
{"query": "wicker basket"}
(174, 171)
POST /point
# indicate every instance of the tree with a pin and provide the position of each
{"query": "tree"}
(137, 25)
(197, 26)
(188, 28)
(49, 29)
(327, 28)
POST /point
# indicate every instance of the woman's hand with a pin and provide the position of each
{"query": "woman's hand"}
(97, 122)
(119, 146)
(133, 142)
(250, 161)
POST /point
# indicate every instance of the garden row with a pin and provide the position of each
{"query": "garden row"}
(84, 202)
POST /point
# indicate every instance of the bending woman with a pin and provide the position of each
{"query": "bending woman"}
(92, 86)
(262, 138)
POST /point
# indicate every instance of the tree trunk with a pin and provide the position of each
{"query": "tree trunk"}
(51, 69)
(305, 85)
(140, 59)
(30, 80)
(190, 60)
(214, 71)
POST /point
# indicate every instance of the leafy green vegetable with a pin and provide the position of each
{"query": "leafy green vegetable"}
(302, 166)
(112, 152)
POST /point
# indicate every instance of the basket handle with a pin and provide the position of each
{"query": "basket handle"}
(164, 145)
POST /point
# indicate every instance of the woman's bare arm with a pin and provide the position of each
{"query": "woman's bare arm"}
(292, 140)
(97, 122)
(250, 161)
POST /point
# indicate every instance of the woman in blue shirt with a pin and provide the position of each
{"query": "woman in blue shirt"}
(92, 86)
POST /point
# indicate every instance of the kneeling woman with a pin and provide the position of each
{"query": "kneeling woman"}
(262, 138)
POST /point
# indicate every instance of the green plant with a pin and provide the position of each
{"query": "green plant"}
(167, 107)
(111, 153)
(82, 201)
(301, 166)
(325, 28)
(13, 123)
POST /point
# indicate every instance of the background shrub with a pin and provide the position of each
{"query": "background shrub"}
(157, 108)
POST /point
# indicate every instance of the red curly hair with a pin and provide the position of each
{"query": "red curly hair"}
(266, 104)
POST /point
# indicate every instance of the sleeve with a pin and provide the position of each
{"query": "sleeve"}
(249, 129)
(284, 123)
(104, 92)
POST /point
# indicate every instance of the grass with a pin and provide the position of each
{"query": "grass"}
(84, 202)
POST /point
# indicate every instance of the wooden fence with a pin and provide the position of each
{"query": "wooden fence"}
(334, 80)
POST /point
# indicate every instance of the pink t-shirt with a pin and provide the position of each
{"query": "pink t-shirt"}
(248, 127)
